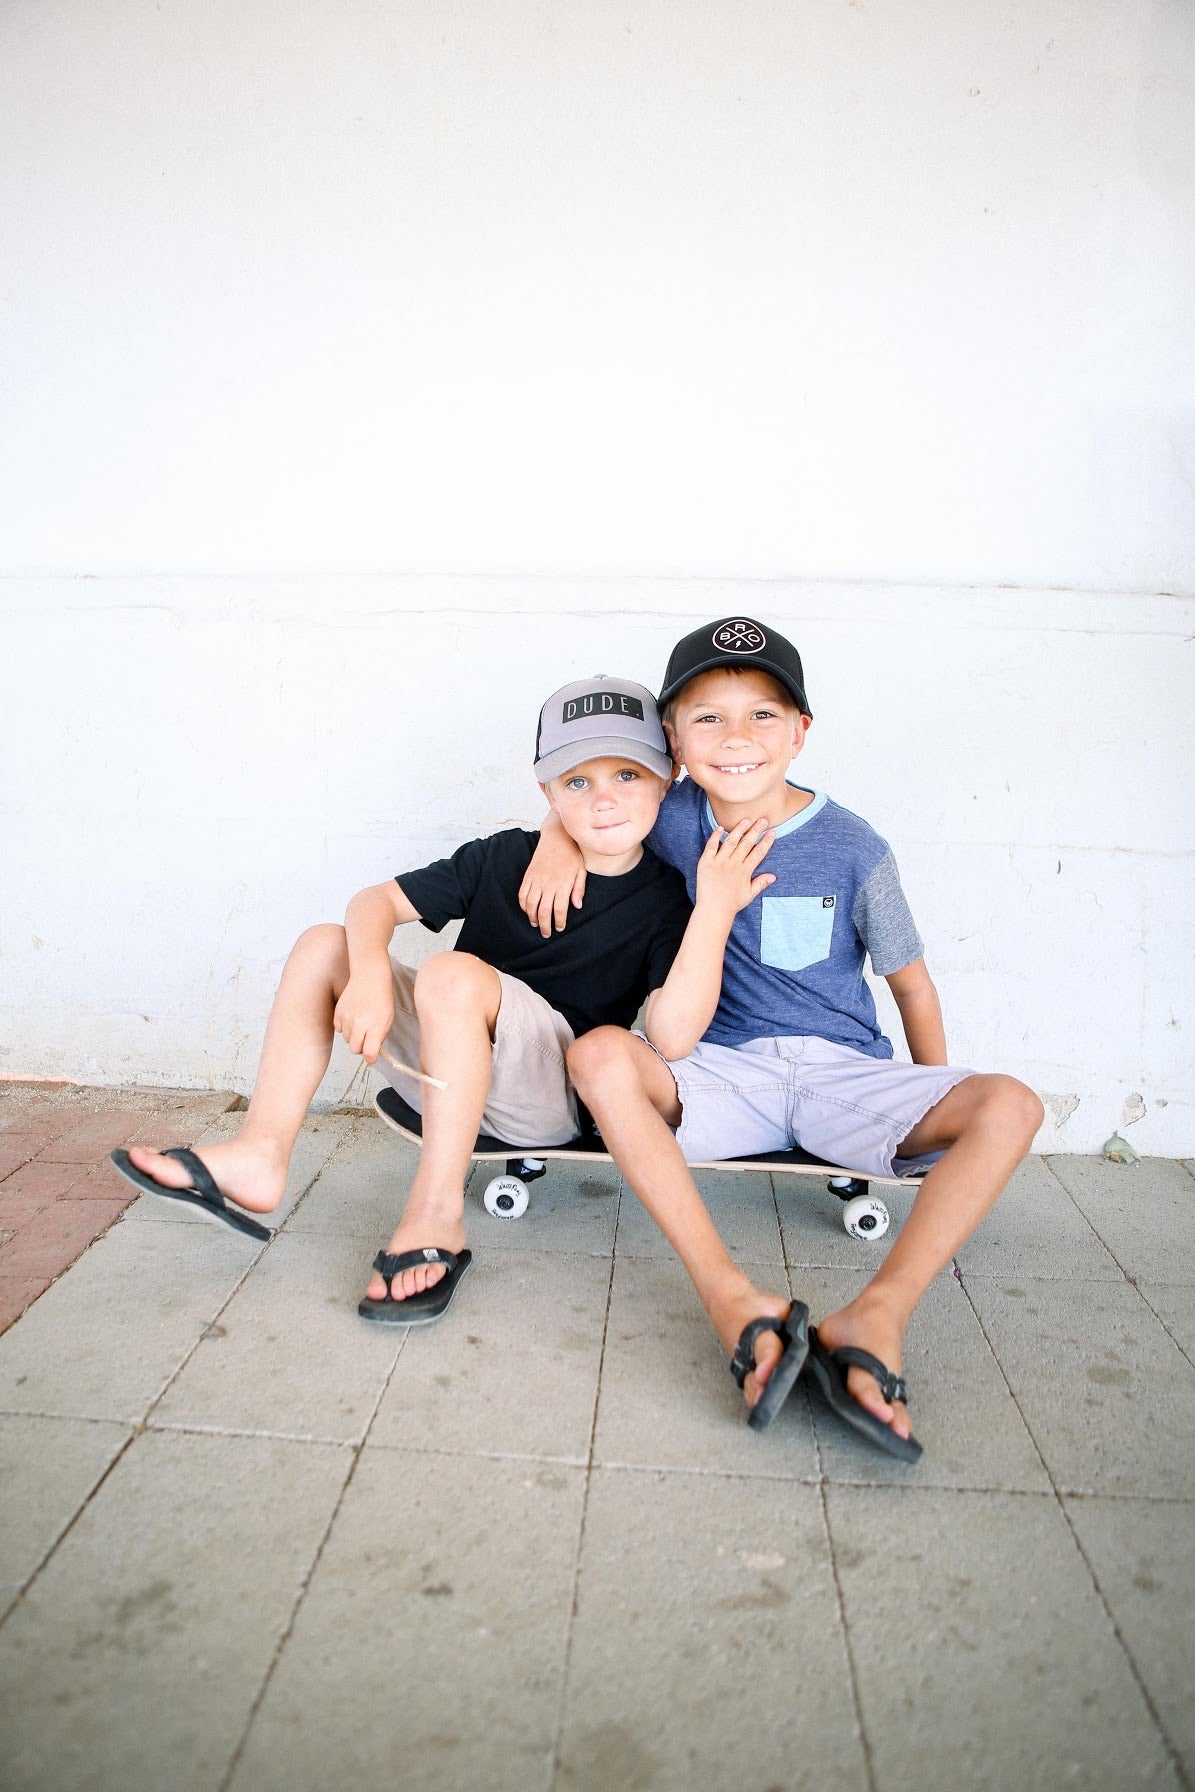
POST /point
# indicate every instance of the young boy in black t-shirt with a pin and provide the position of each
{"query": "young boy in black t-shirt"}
(494, 1018)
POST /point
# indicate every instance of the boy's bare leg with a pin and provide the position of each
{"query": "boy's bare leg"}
(457, 998)
(251, 1167)
(632, 1096)
(985, 1125)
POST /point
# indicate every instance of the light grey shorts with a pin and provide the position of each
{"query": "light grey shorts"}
(531, 1101)
(836, 1103)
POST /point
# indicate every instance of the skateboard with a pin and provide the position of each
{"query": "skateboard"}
(506, 1197)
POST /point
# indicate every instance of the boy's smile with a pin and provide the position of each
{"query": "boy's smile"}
(608, 806)
(736, 733)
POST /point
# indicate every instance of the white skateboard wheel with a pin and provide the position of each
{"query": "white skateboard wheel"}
(506, 1198)
(864, 1217)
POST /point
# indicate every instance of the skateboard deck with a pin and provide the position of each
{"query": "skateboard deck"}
(524, 1163)
(404, 1119)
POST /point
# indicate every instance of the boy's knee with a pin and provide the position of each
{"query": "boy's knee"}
(1019, 1110)
(453, 976)
(326, 942)
(596, 1054)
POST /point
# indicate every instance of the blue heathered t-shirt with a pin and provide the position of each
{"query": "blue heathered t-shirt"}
(794, 959)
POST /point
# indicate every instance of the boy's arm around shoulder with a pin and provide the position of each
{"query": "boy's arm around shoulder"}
(365, 1012)
(554, 878)
(920, 1012)
(679, 1012)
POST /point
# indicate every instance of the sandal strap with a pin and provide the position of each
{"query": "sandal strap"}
(199, 1173)
(743, 1360)
(893, 1387)
(392, 1264)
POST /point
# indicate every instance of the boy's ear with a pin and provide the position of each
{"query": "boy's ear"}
(674, 749)
(551, 802)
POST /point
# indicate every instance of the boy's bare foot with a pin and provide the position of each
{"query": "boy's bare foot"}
(416, 1231)
(736, 1310)
(869, 1324)
(248, 1171)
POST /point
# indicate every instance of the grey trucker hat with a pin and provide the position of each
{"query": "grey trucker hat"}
(600, 718)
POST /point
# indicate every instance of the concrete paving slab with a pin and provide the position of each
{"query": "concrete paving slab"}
(48, 1468)
(513, 1368)
(1174, 1304)
(1105, 1391)
(964, 1417)
(106, 1339)
(433, 1632)
(1144, 1212)
(1142, 1553)
(983, 1652)
(668, 1399)
(361, 1188)
(1035, 1229)
(289, 1355)
(812, 1228)
(134, 1659)
(703, 1604)
(741, 1206)
(317, 1142)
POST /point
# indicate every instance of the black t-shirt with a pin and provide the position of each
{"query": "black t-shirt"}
(614, 950)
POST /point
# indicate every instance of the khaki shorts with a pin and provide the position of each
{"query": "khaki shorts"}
(838, 1104)
(531, 1101)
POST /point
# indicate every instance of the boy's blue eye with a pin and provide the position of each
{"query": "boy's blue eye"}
(627, 776)
(576, 784)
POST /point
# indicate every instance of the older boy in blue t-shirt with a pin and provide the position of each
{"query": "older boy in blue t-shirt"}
(778, 1043)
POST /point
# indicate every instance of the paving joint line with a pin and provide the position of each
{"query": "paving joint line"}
(1168, 1746)
(1060, 1502)
(357, 1451)
(554, 1756)
(845, 1630)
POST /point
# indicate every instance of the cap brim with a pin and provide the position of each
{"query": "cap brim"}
(715, 664)
(567, 759)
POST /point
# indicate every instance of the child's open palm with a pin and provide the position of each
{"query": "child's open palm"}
(726, 880)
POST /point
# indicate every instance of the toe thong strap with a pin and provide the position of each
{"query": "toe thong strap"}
(198, 1171)
(893, 1387)
(392, 1265)
(743, 1360)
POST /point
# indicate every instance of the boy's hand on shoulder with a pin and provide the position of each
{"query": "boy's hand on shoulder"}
(726, 880)
(554, 879)
(365, 1012)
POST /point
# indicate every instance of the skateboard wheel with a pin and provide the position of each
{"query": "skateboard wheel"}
(865, 1217)
(506, 1198)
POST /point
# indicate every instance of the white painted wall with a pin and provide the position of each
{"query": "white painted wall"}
(371, 369)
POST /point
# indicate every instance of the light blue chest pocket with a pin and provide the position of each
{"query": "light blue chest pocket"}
(796, 931)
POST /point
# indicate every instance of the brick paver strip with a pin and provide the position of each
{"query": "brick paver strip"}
(16, 1210)
(16, 1148)
(56, 1236)
(92, 1136)
(58, 1193)
(47, 1181)
(18, 1292)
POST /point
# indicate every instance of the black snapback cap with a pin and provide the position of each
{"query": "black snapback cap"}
(735, 641)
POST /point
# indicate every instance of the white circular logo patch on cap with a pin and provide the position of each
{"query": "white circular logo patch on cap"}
(740, 636)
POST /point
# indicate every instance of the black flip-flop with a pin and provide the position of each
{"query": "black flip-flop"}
(828, 1369)
(204, 1195)
(792, 1331)
(417, 1309)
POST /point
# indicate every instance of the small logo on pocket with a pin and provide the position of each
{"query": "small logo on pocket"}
(827, 902)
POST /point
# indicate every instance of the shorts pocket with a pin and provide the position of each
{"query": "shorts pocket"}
(796, 931)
